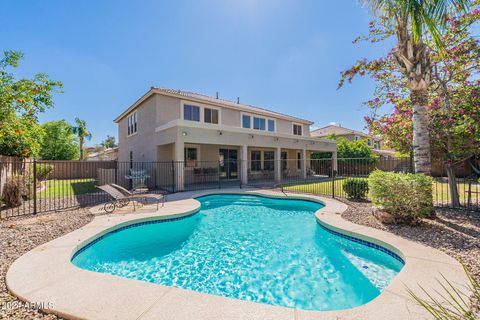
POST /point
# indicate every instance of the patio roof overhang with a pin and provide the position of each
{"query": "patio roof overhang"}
(194, 132)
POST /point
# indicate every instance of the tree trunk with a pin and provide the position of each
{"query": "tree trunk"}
(81, 148)
(452, 186)
(421, 136)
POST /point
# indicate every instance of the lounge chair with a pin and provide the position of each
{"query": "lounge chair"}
(119, 199)
(158, 197)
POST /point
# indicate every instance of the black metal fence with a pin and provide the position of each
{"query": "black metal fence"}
(57, 185)
(330, 181)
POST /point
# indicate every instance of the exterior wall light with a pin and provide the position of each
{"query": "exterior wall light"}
(184, 133)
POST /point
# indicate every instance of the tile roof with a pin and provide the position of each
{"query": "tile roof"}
(336, 130)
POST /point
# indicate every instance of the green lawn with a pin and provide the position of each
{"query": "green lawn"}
(441, 192)
(68, 187)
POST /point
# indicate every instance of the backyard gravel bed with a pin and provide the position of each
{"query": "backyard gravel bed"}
(22, 234)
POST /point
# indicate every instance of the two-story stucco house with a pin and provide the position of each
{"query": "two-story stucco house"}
(197, 130)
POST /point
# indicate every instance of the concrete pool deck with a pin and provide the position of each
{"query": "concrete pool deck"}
(46, 276)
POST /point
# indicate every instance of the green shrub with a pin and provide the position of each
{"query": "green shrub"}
(355, 188)
(407, 197)
(43, 170)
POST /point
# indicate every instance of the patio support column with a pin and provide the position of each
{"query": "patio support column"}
(179, 164)
(278, 164)
(304, 163)
(244, 164)
(334, 160)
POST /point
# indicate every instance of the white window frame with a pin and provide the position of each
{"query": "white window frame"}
(202, 107)
(252, 115)
(260, 118)
(293, 129)
(241, 120)
(192, 105)
(274, 125)
(196, 161)
(132, 121)
(202, 111)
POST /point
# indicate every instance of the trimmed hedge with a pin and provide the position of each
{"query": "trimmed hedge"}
(407, 197)
(355, 188)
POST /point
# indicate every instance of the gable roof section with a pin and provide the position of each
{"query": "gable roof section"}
(336, 130)
(187, 95)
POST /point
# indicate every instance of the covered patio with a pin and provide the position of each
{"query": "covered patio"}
(198, 165)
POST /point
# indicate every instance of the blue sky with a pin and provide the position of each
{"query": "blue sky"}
(285, 55)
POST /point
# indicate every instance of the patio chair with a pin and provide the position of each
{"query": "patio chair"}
(119, 199)
(157, 197)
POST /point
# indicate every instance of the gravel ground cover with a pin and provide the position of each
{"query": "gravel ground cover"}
(22, 234)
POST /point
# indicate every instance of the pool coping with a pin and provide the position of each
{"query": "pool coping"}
(45, 276)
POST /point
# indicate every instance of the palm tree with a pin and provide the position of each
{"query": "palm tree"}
(82, 133)
(412, 21)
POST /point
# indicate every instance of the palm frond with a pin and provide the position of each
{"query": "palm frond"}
(423, 16)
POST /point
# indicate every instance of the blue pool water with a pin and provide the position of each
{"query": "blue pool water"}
(248, 247)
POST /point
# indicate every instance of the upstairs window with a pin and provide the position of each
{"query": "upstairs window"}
(271, 125)
(297, 129)
(191, 113)
(210, 115)
(246, 121)
(132, 124)
(258, 123)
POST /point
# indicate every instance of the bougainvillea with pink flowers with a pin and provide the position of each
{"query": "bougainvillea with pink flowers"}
(454, 103)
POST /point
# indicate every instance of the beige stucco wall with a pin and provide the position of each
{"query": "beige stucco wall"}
(143, 142)
(168, 109)
(231, 117)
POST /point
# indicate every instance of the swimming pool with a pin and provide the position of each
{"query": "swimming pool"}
(248, 247)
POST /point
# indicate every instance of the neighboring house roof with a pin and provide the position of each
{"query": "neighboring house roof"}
(187, 95)
(336, 130)
(106, 152)
(385, 152)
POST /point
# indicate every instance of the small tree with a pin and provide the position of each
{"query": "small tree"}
(59, 143)
(348, 149)
(20, 102)
(82, 133)
(109, 142)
